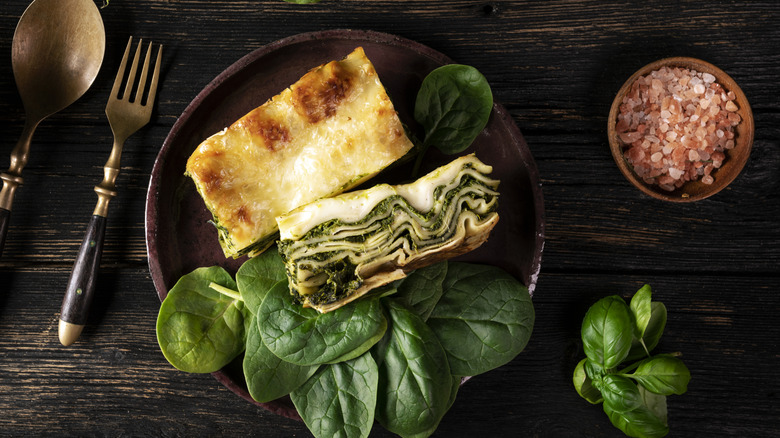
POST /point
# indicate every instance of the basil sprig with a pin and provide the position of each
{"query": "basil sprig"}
(633, 395)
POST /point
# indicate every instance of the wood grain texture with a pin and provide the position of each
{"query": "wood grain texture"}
(556, 66)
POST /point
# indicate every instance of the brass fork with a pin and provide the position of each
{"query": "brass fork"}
(126, 116)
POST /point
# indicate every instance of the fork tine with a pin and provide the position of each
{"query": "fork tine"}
(144, 73)
(155, 76)
(131, 75)
(120, 74)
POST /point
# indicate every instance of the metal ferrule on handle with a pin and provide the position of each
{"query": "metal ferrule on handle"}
(12, 178)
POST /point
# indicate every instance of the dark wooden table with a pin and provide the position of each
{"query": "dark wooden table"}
(555, 65)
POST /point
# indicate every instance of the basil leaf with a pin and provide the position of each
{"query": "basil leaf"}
(306, 337)
(639, 423)
(267, 376)
(656, 403)
(453, 106)
(414, 377)
(340, 399)
(641, 308)
(595, 373)
(607, 331)
(584, 385)
(422, 289)
(620, 393)
(199, 329)
(258, 275)
(653, 332)
(663, 374)
(483, 320)
(625, 406)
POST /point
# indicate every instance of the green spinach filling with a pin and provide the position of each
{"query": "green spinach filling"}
(323, 265)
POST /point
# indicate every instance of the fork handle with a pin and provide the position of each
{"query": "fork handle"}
(81, 286)
(5, 217)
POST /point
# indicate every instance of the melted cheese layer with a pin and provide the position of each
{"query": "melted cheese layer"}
(333, 129)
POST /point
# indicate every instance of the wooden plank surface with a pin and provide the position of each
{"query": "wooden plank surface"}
(556, 66)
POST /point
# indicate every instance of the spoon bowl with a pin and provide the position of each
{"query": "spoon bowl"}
(57, 50)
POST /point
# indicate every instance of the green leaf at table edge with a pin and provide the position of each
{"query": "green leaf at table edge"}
(339, 397)
(187, 307)
(412, 349)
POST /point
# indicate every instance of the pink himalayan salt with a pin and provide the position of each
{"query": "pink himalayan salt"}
(674, 124)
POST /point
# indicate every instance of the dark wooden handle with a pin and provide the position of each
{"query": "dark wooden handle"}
(5, 217)
(81, 286)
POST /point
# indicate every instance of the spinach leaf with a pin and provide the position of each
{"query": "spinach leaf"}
(306, 337)
(663, 374)
(483, 320)
(370, 342)
(641, 347)
(267, 376)
(414, 377)
(422, 289)
(340, 399)
(199, 329)
(607, 331)
(584, 385)
(258, 275)
(453, 105)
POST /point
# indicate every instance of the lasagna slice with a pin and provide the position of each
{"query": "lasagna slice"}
(337, 249)
(326, 133)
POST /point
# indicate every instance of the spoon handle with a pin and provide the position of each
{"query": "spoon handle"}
(5, 216)
(81, 286)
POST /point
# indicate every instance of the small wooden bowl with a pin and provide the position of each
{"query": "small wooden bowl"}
(735, 157)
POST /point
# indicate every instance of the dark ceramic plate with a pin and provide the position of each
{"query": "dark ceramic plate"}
(178, 235)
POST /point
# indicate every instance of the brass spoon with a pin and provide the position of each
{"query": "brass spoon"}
(56, 53)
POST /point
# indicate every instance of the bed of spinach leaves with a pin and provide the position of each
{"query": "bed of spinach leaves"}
(633, 395)
(396, 356)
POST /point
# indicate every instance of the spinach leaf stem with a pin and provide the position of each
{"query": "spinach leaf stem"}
(226, 291)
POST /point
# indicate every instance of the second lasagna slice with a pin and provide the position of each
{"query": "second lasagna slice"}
(337, 249)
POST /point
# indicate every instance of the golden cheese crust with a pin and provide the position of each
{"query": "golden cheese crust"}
(326, 133)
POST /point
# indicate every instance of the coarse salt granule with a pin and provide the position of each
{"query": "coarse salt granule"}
(675, 124)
